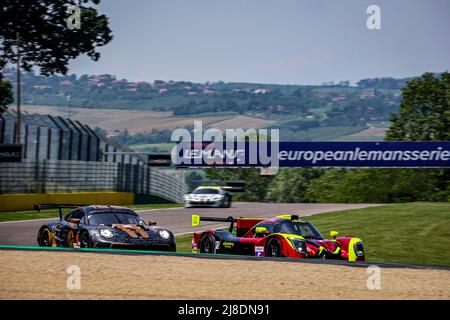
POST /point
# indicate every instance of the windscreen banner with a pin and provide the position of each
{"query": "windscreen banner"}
(312, 154)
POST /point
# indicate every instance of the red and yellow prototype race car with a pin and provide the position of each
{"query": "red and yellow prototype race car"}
(282, 236)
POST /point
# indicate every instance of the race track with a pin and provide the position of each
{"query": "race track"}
(29, 274)
(179, 219)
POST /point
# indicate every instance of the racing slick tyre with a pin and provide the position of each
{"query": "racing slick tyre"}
(229, 202)
(46, 238)
(273, 248)
(226, 202)
(85, 240)
(207, 244)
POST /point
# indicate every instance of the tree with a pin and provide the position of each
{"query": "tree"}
(194, 178)
(45, 40)
(375, 185)
(291, 185)
(255, 183)
(5, 91)
(424, 113)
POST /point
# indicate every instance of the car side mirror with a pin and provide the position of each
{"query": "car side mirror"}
(261, 230)
(151, 223)
(334, 234)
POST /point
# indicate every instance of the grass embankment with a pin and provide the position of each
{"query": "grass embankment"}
(411, 233)
(29, 215)
(184, 243)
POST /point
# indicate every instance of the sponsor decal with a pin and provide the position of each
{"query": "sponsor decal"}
(259, 251)
(228, 244)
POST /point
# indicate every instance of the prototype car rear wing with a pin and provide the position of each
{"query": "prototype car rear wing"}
(39, 207)
(242, 224)
(196, 220)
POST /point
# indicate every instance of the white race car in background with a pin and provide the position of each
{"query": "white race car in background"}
(208, 196)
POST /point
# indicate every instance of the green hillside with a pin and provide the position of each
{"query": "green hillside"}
(413, 233)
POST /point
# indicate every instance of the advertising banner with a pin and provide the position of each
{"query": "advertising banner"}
(313, 154)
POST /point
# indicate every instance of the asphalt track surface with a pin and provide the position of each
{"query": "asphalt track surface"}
(178, 220)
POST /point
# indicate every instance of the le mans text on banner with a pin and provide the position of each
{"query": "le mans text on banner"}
(313, 154)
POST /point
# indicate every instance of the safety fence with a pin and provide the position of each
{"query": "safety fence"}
(44, 176)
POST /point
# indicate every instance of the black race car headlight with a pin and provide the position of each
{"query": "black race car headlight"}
(299, 245)
(164, 234)
(106, 233)
(57, 227)
(359, 249)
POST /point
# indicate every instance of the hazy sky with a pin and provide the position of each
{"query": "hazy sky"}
(268, 41)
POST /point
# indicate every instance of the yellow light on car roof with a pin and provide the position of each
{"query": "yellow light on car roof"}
(206, 187)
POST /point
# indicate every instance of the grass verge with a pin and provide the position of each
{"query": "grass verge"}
(184, 243)
(411, 233)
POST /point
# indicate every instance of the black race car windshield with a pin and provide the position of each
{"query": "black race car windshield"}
(205, 191)
(304, 229)
(111, 217)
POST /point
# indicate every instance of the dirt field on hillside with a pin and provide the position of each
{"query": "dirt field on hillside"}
(371, 132)
(243, 122)
(143, 121)
(43, 275)
(116, 119)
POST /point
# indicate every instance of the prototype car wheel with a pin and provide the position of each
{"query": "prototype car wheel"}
(85, 240)
(273, 248)
(207, 244)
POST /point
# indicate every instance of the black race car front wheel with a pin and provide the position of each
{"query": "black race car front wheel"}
(207, 244)
(46, 238)
(85, 240)
(273, 248)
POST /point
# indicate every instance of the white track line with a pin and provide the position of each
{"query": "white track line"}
(16, 221)
(145, 210)
(142, 210)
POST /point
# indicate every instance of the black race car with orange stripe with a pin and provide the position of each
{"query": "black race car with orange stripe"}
(282, 236)
(112, 227)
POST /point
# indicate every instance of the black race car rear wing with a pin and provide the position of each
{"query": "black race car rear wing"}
(39, 207)
(196, 220)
